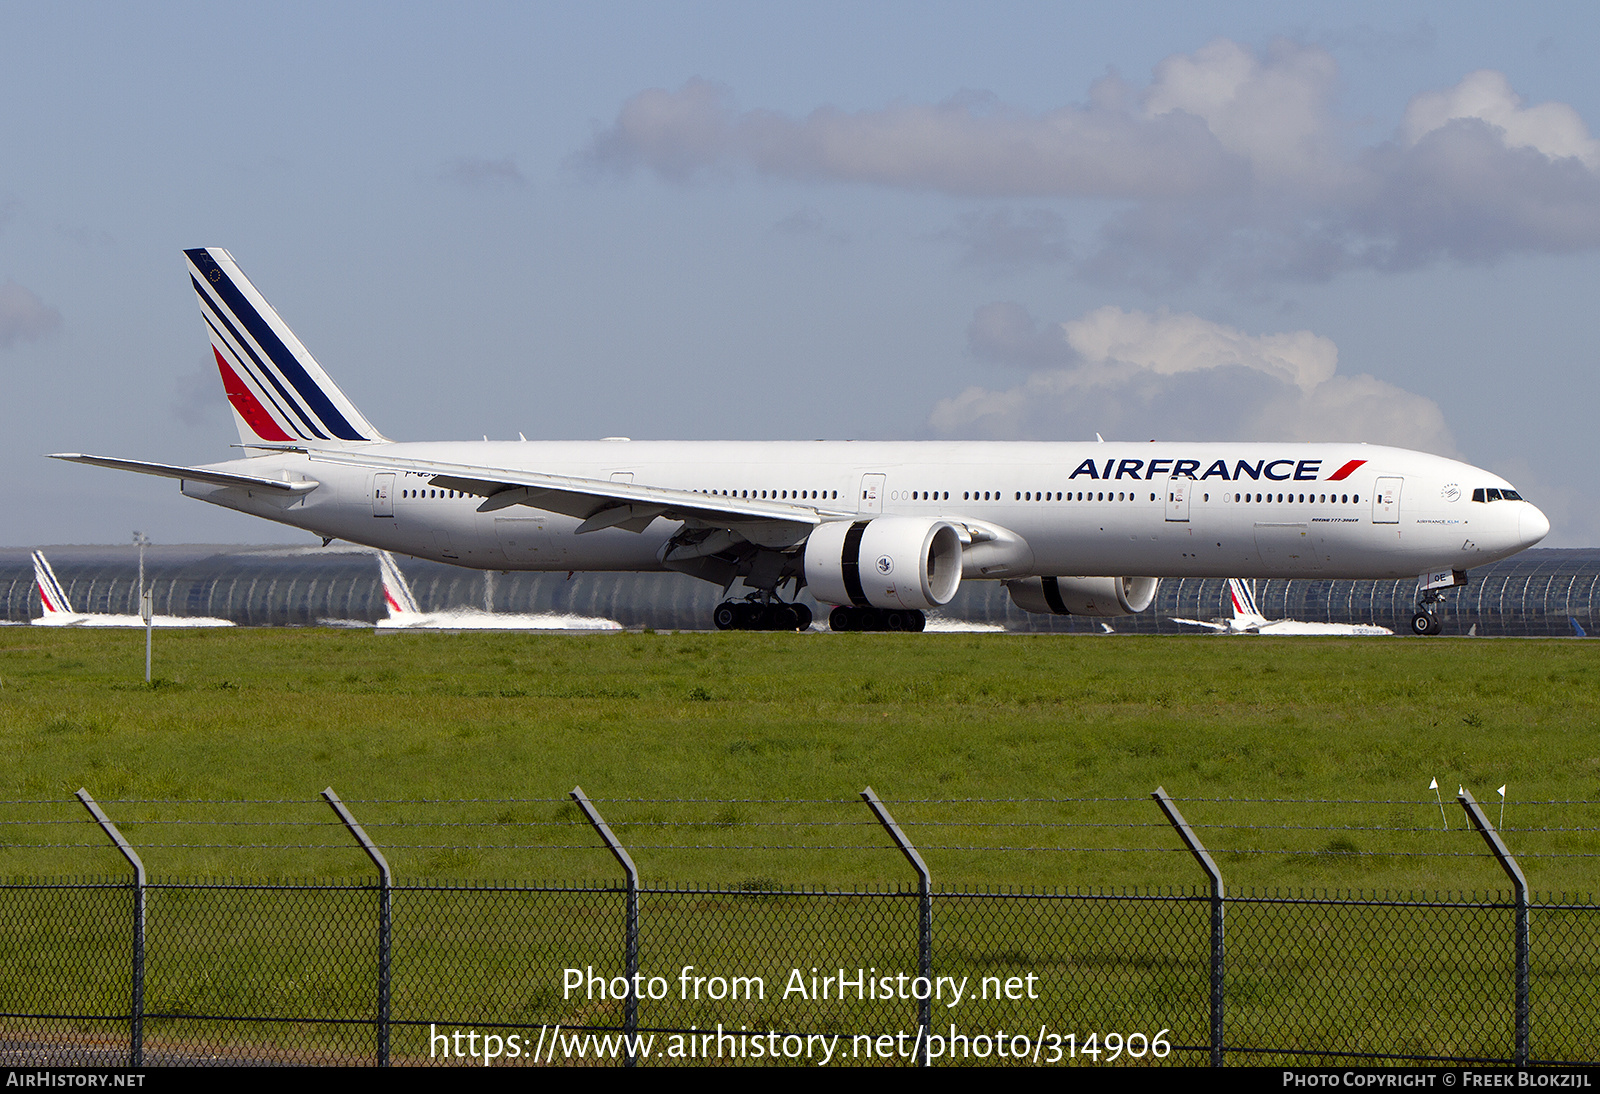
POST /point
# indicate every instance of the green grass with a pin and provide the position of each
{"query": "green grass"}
(736, 760)
(504, 725)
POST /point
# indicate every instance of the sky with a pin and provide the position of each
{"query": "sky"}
(1274, 221)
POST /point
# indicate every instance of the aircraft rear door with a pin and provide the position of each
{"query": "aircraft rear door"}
(383, 494)
(1386, 501)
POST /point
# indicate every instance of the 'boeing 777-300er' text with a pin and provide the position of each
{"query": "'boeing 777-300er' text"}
(882, 530)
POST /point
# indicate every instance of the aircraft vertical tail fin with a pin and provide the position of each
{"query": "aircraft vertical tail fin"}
(1243, 599)
(51, 594)
(396, 592)
(280, 396)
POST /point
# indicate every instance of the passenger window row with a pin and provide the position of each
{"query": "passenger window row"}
(774, 495)
(1481, 494)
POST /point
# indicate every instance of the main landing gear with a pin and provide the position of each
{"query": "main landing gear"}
(754, 615)
(876, 619)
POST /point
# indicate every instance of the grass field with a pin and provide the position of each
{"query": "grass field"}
(737, 758)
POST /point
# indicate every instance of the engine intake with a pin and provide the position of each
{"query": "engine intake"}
(885, 562)
(1100, 596)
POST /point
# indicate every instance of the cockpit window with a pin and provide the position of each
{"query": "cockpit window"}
(1490, 493)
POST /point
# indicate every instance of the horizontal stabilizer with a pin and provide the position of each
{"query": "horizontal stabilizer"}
(193, 474)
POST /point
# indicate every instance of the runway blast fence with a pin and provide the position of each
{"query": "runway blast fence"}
(140, 971)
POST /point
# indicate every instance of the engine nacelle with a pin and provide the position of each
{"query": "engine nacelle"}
(1102, 596)
(884, 562)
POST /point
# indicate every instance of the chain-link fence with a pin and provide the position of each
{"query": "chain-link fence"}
(111, 971)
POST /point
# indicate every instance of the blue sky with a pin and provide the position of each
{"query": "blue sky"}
(1361, 221)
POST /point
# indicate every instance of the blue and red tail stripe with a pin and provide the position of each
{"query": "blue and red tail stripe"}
(278, 390)
(51, 594)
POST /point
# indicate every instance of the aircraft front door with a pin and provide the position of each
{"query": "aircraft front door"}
(1386, 502)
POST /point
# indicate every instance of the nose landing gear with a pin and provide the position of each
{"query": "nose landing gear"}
(1425, 623)
(1431, 589)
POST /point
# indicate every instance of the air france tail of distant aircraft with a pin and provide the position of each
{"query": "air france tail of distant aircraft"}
(880, 531)
(1246, 618)
(58, 610)
(405, 614)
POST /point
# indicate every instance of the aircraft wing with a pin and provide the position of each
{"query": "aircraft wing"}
(599, 504)
(194, 474)
(1200, 623)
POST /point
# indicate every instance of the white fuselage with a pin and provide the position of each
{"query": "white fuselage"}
(469, 620)
(1159, 509)
(71, 619)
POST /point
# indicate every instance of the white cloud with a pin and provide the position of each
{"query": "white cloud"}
(969, 144)
(23, 316)
(1132, 374)
(1273, 113)
(1228, 162)
(1555, 130)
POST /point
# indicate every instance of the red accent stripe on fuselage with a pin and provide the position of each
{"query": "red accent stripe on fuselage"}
(1345, 470)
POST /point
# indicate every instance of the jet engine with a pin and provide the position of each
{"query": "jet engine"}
(1102, 596)
(885, 562)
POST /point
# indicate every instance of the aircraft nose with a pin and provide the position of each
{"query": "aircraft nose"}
(1532, 525)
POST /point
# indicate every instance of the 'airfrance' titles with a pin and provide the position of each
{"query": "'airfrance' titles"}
(1275, 470)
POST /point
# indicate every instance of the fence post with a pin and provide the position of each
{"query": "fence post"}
(1203, 857)
(630, 1007)
(924, 917)
(1520, 884)
(136, 1014)
(384, 886)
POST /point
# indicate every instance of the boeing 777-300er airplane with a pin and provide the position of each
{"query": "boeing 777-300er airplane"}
(406, 614)
(1246, 618)
(58, 609)
(882, 530)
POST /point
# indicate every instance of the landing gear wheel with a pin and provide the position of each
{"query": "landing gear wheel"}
(846, 618)
(1425, 623)
(750, 615)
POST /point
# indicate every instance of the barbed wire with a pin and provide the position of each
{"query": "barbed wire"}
(854, 801)
(1286, 852)
(714, 822)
